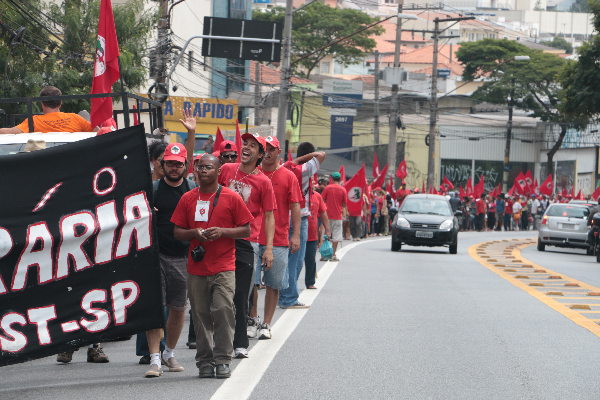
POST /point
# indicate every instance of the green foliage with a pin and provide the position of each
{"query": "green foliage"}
(559, 43)
(68, 64)
(538, 6)
(317, 25)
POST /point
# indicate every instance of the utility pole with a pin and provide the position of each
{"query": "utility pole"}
(433, 110)
(394, 110)
(257, 120)
(506, 167)
(285, 72)
(160, 69)
(376, 100)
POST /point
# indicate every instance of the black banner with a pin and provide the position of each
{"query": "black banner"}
(78, 250)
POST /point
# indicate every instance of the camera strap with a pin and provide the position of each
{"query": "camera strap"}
(214, 204)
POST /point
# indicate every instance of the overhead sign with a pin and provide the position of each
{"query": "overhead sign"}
(342, 93)
(215, 111)
(78, 249)
(237, 45)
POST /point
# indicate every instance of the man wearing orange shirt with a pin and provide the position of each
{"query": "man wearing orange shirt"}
(335, 197)
(53, 120)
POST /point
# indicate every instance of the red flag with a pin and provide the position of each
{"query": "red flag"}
(135, 117)
(494, 194)
(355, 188)
(401, 172)
(596, 193)
(512, 190)
(462, 192)
(290, 158)
(521, 182)
(218, 139)
(106, 67)
(579, 195)
(564, 192)
(390, 188)
(547, 186)
(528, 178)
(423, 188)
(238, 137)
(433, 191)
(535, 188)
(379, 181)
(573, 191)
(342, 172)
(447, 184)
(375, 167)
(469, 188)
(479, 188)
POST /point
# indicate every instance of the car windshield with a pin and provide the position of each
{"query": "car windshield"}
(557, 210)
(15, 148)
(426, 206)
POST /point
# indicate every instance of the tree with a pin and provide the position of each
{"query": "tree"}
(559, 43)
(66, 61)
(317, 25)
(538, 6)
(528, 85)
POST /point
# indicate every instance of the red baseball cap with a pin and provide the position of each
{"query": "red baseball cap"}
(272, 140)
(108, 123)
(175, 152)
(227, 145)
(104, 130)
(257, 137)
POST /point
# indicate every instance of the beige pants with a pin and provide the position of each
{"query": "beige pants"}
(211, 298)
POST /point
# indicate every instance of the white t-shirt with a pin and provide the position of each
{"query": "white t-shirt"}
(535, 204)
(309, 168)
(517, 207)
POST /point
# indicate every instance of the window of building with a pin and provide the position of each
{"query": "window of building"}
(337, 68)
(237, 9)
(325, 67)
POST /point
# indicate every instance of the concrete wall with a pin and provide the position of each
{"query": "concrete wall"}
(550, 22)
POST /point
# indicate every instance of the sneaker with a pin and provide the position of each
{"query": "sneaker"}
(65, 357)
(240, 352)
(223, 371)
(172, 364)
(145, 360)
(154, 371)
(96, 354)
(265, 331)
(252, 328)
(298, 305)
(208, 371)
(191, 345)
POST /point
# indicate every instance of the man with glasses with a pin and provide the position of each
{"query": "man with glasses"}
(228, 152)
(173, 257)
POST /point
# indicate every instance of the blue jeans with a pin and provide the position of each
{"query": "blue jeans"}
(289, 297)
(310, 260)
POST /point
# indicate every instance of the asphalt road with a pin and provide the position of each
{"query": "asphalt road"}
(417, 324)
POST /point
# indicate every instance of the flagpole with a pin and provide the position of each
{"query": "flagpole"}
(124, 97)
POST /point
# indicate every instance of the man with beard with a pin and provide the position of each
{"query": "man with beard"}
(256, 191)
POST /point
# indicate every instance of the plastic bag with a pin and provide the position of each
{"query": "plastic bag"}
(326, 249)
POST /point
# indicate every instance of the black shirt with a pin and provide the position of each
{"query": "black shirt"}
(165, 201)
(455, 203)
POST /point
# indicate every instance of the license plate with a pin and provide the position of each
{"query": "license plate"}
(568, 226)
(424, 234)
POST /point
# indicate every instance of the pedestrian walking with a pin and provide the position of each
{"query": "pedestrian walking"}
(335, 196)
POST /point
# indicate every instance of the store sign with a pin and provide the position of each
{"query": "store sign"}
(342, 93)
(213, 111)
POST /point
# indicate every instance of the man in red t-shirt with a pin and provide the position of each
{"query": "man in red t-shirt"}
(257, 192)
(288, 195)
(216, 215)
(480, 211)
(317, 209)
(401, 193)
(335, 197)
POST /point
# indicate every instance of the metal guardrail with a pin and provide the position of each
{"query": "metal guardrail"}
(154, 108)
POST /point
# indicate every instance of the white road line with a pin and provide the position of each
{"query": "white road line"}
(250, 371)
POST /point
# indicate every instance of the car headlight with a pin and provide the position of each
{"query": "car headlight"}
(403, 223)
(447, 224)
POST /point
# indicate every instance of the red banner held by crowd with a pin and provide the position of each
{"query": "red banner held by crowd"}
(401, 172)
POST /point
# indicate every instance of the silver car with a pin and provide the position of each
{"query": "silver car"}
(564, 225)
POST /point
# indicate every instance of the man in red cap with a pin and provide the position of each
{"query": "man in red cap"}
(228, 152)
(256, 191)
(401, 193)
(173, 257)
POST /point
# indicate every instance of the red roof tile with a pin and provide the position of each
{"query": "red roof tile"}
(272, 76)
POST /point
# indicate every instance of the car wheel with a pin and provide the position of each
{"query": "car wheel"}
(453, 248)
(395, 245)
(541, 246)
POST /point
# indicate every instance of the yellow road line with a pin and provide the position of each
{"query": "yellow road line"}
(575, 316)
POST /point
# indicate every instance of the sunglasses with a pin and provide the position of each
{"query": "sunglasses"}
(229, 156)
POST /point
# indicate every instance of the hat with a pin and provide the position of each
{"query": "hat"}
(175, 152)
(257, 137)
(216, 154)
(532, 194)
(336, 176)
(227, 145)
(403, 182)
(104, 130)
(273, 141)
(34, 144)
(109, 123)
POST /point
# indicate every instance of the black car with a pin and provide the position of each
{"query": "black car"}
(425, 220)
